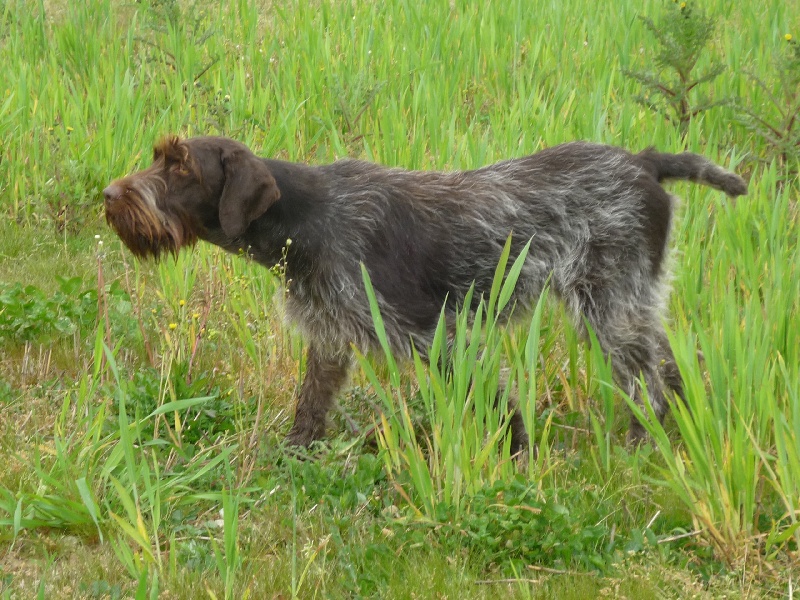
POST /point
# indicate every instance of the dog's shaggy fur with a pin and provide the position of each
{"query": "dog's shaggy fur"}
(597, 218)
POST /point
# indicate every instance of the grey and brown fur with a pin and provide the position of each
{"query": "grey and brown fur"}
(597, 217)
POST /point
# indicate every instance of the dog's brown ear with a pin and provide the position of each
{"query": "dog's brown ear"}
(249, 190)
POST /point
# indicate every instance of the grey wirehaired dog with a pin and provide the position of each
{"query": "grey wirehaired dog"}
(597, 218)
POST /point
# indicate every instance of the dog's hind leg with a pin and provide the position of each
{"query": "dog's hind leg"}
(631, 360)
(632, 335)
(633, 343)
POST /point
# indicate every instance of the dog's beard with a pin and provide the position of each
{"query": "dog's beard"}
(146, 230)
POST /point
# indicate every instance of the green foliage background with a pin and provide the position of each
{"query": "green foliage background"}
(142, 406)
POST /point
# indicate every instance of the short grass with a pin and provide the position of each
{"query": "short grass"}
(142, 406)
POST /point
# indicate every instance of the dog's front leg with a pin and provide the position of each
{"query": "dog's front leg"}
(325, 375)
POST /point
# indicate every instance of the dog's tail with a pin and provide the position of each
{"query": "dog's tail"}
(694, 168)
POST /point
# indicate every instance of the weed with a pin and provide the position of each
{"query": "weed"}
(342, 480)
(102, 589)
(201, 424)
(29, 313)
(777, 122)
(7, 392)
(683, 33)
(513, 523)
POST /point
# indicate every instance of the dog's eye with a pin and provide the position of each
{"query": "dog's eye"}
(179, 169)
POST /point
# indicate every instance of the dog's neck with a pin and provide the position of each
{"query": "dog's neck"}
(293, 229)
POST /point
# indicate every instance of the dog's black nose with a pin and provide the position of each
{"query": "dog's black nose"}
(113, 192)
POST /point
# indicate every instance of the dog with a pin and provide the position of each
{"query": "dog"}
(596, 216)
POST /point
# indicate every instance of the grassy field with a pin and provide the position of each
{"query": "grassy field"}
(142, 406)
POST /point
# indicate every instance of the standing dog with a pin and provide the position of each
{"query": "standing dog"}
(597, 217)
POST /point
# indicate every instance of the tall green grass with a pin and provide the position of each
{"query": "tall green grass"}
(464, 399)
(382, 82)
(113, 484)
(736, 462)
(136, 430)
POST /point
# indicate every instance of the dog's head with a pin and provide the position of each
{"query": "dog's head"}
(206, 187)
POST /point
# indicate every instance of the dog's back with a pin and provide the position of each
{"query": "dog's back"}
(594, 214)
